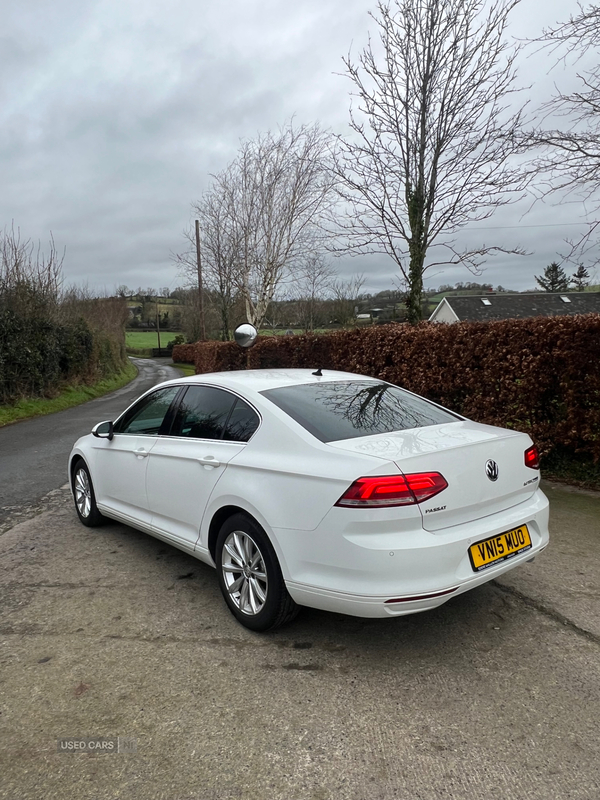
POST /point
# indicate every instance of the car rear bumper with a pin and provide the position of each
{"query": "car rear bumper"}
(368, 569)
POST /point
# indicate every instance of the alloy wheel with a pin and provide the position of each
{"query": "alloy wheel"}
(244, 573)
(83, 493)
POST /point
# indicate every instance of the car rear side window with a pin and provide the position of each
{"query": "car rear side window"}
(206, 412)
(339, 410)
(242, 423)
(146, 417)
(203, 413)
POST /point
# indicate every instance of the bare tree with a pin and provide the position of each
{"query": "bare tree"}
(30, 280)
(313, 283)
(275, 193)
(568, 158)
(101, 313)
(276, 310)
(260, 216)
(431, 134)
(220, 247)
(345, 298)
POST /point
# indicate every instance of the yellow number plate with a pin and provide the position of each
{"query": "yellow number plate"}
(499, 548)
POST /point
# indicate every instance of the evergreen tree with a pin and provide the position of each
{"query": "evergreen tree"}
(581, 278)
(554, 279)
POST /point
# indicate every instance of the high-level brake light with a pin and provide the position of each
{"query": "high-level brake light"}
(393, 490)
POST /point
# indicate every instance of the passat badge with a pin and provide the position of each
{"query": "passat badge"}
(491, 470)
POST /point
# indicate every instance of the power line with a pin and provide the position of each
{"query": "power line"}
(516, 227)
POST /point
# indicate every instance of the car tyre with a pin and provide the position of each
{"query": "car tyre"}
(84, 496)
(250, 577)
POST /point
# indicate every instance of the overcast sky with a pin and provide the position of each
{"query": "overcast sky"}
(113, 115)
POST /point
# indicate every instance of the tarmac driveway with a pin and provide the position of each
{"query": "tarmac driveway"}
(110, 633)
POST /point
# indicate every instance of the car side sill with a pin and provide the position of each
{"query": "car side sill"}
(187, 547)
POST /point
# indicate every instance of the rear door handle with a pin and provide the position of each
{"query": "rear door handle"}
(209, 461)
(141, 453)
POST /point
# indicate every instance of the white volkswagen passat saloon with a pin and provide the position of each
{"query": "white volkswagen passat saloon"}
(322, 489)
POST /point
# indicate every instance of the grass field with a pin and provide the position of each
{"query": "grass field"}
(144, 340)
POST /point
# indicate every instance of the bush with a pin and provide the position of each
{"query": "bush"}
(184, 353)
(29, 355)
(37, 356)
(178, 340)
(539, 375)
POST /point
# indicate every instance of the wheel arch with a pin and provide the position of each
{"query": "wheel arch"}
(75, 457)
(219, 518)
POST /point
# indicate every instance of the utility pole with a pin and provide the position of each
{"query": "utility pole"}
(158, 322)
(200, 292)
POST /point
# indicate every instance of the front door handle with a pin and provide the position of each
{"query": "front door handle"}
(141, 453)
(209, 461)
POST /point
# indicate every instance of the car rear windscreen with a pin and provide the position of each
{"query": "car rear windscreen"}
(351, 409)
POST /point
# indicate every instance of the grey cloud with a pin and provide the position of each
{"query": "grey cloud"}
(113, 115)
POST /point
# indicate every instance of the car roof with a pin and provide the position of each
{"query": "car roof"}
(260, 380)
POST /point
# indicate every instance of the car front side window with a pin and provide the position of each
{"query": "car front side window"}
(147, 416)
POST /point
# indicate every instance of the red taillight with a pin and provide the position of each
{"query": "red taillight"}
(532, 457)
(425, 485)
(393, 490)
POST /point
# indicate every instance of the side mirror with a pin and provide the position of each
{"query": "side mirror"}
(245, 335)
(103, 430)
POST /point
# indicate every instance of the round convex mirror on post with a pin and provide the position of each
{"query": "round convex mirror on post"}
(246, 335)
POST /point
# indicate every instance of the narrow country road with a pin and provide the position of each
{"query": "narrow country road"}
(33, 453)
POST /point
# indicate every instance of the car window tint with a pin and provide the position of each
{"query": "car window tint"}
(351, 409)
(203, 413)
(242, 423)
(146, 417)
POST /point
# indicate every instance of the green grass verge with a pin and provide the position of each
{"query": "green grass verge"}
(69, 397)
(139, 353)
(187, 369)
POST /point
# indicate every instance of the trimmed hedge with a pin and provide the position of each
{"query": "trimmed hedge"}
(184, 353)
(539, 375)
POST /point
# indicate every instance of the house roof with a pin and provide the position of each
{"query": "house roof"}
(482, 308)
